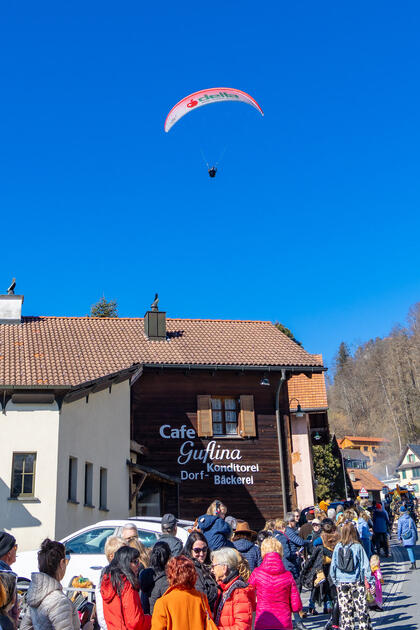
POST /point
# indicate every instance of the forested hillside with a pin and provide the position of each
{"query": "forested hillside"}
(376, 387)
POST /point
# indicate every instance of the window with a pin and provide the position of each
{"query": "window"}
(410, 459)
(225, 416)
(404, 474)
(72, 489)
(416, 473)
(103, 482)
(224, 413)
(90, 542)
(23, 475)
(88, 484)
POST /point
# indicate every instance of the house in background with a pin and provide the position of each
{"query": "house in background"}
(309, 427)
(106, 417)
(367, 445)
(363, 479)
(408, 468)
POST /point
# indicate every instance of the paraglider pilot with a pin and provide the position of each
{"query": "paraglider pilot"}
(212, 171)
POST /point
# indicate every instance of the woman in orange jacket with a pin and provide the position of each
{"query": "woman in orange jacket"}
(182, 607)
(236, 601)
(120, 592)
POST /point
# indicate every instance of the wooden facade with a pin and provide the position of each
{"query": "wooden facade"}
(243, 472)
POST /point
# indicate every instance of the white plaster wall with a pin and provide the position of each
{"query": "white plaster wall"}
(29, 428)
(302, 461)
(97, 432)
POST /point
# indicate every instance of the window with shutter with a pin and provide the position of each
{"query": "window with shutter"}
(204, 416)
(225, 412)
(247, 426)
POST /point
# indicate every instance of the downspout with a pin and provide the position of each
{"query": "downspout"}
(280, 441)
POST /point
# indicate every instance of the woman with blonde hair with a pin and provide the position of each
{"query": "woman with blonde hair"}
(112, 544)
(144, 556)
(349, 569)
(7, 599)
(277, 593)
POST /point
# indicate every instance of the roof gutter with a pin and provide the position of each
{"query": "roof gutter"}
(312, 369)
(280, 442)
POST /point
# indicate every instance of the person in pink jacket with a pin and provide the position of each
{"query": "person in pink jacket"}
(277, 593)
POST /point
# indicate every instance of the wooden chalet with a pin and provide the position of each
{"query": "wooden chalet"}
(213, 407)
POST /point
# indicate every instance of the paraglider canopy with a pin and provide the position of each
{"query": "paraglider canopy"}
(207, 97)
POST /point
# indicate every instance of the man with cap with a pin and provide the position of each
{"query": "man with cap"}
(169, 529)
(8, 548)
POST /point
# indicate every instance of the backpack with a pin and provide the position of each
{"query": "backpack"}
(345, 560)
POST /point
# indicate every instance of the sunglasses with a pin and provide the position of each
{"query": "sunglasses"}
(199, 550)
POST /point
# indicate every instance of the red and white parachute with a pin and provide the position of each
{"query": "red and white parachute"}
(206, 97)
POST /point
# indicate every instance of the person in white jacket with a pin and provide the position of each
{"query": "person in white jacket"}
(48, 606)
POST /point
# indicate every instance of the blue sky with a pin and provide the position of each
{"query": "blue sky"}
(313, 218)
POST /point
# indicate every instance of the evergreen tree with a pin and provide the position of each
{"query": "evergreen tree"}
(328, 473)
(104, 308)
(287, 332)
(342, 356)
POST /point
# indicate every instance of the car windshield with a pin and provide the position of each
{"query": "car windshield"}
(90, 542)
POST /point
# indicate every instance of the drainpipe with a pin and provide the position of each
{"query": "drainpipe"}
(280, 441)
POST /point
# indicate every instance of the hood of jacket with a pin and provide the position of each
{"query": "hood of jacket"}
(41, 585)
(243, 545)
(107, 590)
(206, 521)
(273, 564)
(330, 540)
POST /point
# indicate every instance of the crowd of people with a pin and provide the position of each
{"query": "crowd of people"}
(225, 577)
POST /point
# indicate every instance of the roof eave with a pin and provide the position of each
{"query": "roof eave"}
(312, 369)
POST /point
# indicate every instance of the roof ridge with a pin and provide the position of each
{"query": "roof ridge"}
(182, 319)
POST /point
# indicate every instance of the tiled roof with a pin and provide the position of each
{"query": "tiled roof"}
(364, 479)
(310, 392)
(73, 350)
(364, 439)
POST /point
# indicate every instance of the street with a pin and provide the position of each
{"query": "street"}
(401, 593)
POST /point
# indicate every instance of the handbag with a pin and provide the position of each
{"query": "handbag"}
(210, 625)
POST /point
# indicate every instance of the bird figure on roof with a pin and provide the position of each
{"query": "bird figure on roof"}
(155, 303)
(11, 289)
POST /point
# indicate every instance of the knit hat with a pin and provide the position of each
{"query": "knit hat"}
(331, 513)
(403, 508)
(7, 541)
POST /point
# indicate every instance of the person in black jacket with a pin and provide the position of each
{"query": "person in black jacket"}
(295, 541)
(243, 540)
(153, 580)
(169, 530)
(196, 548)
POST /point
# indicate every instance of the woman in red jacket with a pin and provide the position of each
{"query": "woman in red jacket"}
(277, 593)
(120, 592)
(236, 601)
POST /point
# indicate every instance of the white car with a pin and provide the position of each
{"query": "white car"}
(86, 547)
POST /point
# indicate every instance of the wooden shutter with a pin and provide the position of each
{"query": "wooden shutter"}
(247, 417)
(204, 417)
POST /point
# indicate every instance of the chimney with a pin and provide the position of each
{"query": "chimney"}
(11, 306)
(155, 322)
